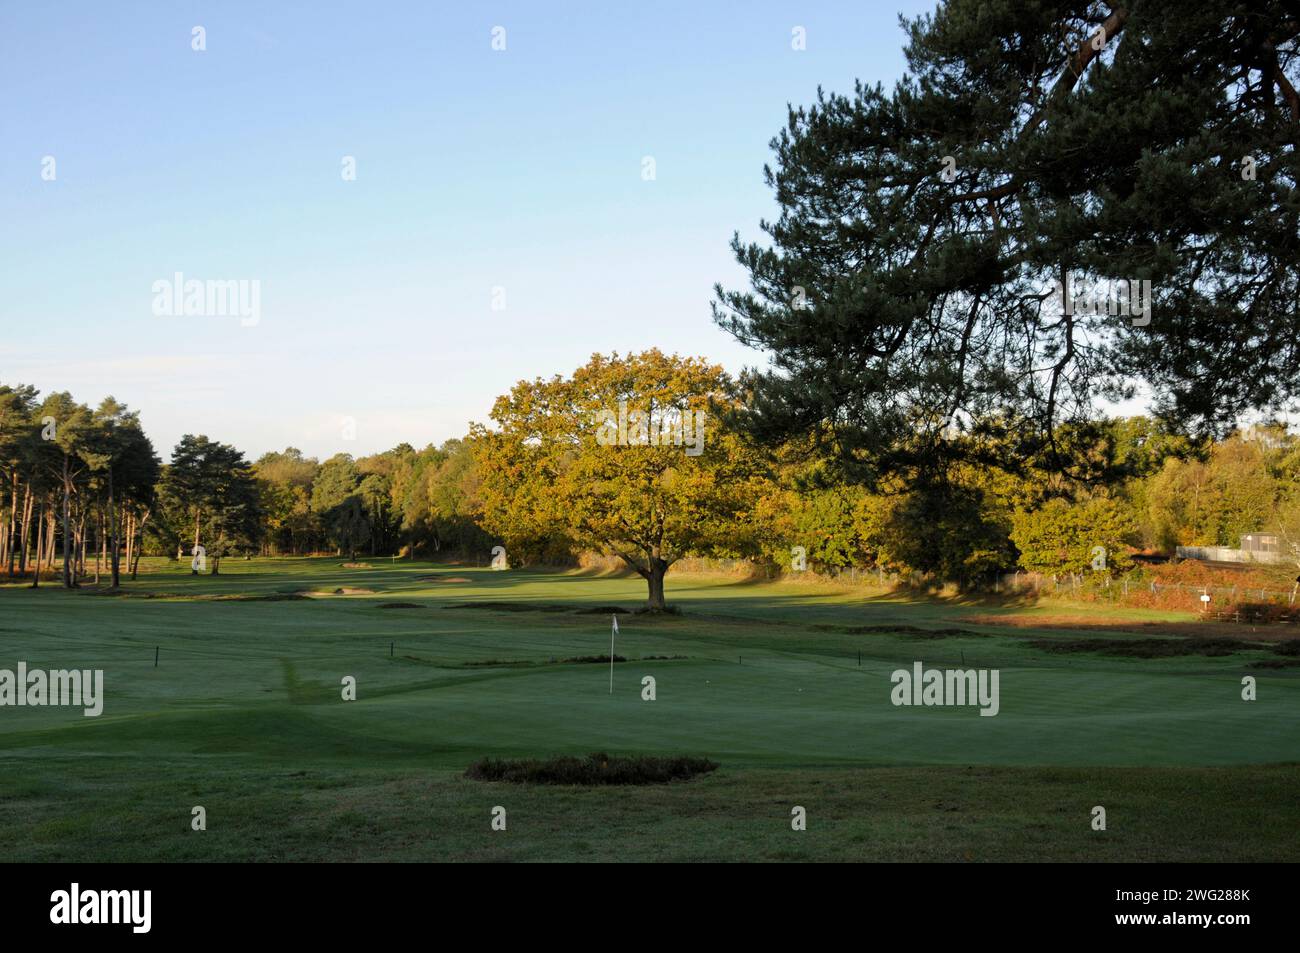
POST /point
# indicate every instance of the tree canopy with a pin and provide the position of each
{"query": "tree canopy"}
(906, 296)
(607, 459)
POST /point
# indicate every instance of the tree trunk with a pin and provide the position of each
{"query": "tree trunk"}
(50, 533)
(115, 522)
(13, 523)
(27, 529)
(654, 578)
(101, 550)
(81, 544)
(135, 565)
(67, 536)
(40, 532)
(130, 533)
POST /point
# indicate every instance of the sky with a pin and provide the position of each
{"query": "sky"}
(500, 224)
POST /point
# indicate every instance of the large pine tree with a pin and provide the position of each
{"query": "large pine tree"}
(906, 297)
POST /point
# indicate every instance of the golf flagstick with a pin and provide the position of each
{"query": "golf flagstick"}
(612, 632)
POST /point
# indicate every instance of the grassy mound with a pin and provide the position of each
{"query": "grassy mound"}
(595, 769)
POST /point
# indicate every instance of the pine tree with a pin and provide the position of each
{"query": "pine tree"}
(907, 294)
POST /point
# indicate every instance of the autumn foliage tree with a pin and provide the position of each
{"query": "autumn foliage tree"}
(627, 457)
(1068, 537)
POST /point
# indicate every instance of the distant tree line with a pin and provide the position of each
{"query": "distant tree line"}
(82, 493)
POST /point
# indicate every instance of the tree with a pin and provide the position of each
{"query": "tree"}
(1066, 537)
(286, 484)
(348, 524)
(130, 468)
(453, 487)
(335, 497)
(69, 428)
(906, 297)
(947, 528)
(626, 457)
(214, 485)
(17, 437)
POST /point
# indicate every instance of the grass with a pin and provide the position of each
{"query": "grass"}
(244, 716)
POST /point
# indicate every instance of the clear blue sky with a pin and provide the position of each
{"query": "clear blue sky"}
(475, 168)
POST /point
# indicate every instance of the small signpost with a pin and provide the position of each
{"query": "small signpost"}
(612, 632)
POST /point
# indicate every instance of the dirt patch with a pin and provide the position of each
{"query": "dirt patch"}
(572, 660)
(356, 565)
(511, 607)
(1144, 648)
(910, 631)
(120, 593)
(439, 578)
(348, 591)
(268, 597)
(594, 770)
(1192, 628)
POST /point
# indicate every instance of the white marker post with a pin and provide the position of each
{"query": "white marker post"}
(612, 632)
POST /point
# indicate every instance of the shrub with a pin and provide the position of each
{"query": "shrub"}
(595, 769)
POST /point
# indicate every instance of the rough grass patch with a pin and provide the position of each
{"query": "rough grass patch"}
(596, 769)
(511, 607)
(1144, 648)
(911, 631)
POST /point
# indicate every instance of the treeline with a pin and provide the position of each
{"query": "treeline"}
(1150, 492)
(83, 494)
(79, 486)
(400, 502)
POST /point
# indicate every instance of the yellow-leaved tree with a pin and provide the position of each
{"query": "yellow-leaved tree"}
(628, 457)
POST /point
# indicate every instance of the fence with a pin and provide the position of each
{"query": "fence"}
(1223, 554)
